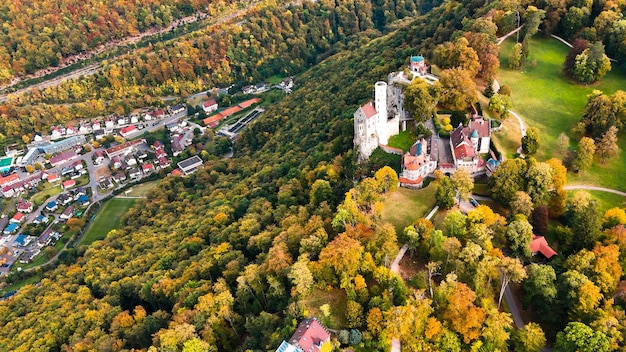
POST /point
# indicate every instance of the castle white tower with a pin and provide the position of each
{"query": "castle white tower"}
(380, 103)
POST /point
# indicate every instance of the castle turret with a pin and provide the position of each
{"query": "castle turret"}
(380, 99)
(474, 139)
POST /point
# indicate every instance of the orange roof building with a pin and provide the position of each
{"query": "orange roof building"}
(248, 103)
(539, 245)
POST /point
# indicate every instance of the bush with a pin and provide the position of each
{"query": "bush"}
(457, 118)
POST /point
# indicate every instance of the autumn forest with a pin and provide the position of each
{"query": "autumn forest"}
(232, 257)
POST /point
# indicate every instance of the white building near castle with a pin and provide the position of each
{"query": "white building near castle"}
(372, 124)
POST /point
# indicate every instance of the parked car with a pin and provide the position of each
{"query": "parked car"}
(473, 201)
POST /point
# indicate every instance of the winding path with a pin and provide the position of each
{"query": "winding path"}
(594, 188)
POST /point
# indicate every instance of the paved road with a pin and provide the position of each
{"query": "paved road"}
(594, 188)
(396, 346)
(503, 38)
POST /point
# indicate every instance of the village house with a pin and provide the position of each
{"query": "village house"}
(128, 130)
(77, 193)
(83, 200)
(119, 177)
(106, 184)
(17, 218)
(68, 213)
(52, 178)
(209, 106)
(130, 160)
(147, 168)
(98, 157)
(52, 206)
(68, 184)
(65, 199)
(24, 206)
(95, 126)
(41, 219)
(57, 132)
(123, 149)
(70, 130)
(11, 228)
(178, 108)
(134, 173)
(63, 157)
(191, 165)
(159, 114)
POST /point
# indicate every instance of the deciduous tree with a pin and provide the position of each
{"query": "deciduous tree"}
(578, 337)
(584, 154)
(458, 90)
(607, 147)
(530, 338)
(530, 142)
(420, 99)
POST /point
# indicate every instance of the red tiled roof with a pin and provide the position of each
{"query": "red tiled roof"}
(411, 182)
(128, 129)
(463, 151)
(53, 177)
(212, 119)
(149, 166)
(369, 110)
(18, 216)
(230, 111)
(9, 179)
(539, 244)
(310, 335)
(64, 156)
(69, 183)
(209, 103)
(177, 172)
(24, 205)
(249, 103)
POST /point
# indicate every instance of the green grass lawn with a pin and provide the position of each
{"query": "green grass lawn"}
(337, 301)
(545, 98)
(39, 198)
(16, 286)
(404, 206)
(107, 219)
(605, 200)
(404, 140)
(275, 79)
(143, 189)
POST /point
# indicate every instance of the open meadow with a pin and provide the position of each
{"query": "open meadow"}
(545, 98)
(107, 219)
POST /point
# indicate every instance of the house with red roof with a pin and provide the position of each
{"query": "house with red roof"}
(9, 180)
(539, 245)
(24, 206)
(128, 130)
(212, 121)
(53, 178)
(310, 336)
(69, 184)
(468, 142)
(63, 158)
(248, 103)
(147, 168)
(17, 218)
(418, 162)
(209, 106)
